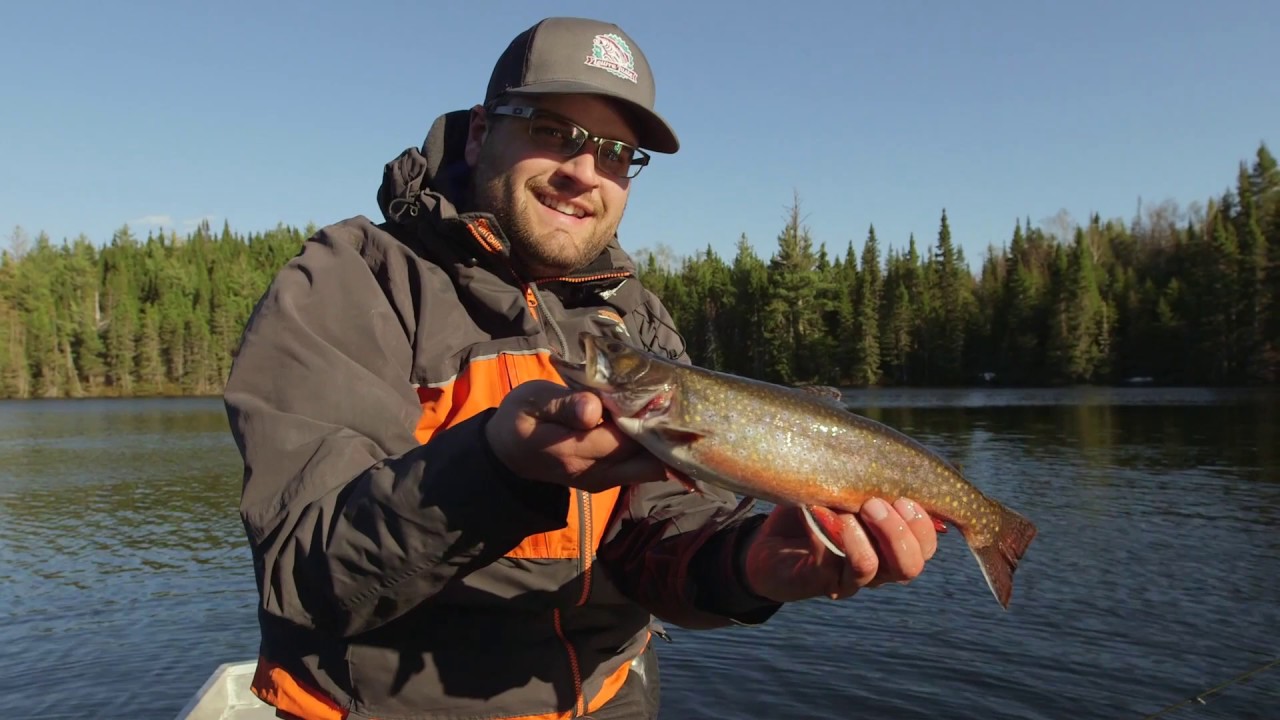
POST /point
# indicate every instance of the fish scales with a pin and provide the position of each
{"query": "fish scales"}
(807, 451)
(790, 447)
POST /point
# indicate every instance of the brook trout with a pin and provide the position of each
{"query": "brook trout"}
(790, 447)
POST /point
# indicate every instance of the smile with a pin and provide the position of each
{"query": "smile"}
(563, 208)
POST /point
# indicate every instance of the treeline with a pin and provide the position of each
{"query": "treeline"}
(1178, 297)
(1171, 297)
(159, 316)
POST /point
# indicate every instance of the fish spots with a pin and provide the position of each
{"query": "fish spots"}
(755, 471)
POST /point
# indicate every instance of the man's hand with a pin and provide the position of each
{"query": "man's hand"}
(884, 543)
(544, 431)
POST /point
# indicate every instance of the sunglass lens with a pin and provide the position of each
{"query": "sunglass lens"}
(615, 157)
(555, 135)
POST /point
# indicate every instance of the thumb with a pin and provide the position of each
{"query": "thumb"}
(577, 411)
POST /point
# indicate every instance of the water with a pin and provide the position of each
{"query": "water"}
(124, 578)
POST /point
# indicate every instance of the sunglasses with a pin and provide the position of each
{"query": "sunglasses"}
(555, 134)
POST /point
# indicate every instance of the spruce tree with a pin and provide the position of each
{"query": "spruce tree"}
(867, 312)
(749, 277)
(791, 315)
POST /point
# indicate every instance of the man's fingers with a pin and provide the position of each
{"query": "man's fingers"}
(860, 553)
(635, 469)
(573, 410)
(900, 555)
(921, 525)
(547, 432)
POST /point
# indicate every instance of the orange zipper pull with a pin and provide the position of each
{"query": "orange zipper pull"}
(531, 300)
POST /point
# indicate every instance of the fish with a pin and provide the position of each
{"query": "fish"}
(789, 446)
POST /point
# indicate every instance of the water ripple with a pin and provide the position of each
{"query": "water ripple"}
(124, 576)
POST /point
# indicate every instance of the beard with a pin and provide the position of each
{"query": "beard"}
(540, 252)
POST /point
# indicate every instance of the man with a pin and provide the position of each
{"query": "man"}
(440, 529)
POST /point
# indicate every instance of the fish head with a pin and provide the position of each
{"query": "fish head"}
(630, 382)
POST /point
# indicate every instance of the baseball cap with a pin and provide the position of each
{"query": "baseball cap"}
(576, 55)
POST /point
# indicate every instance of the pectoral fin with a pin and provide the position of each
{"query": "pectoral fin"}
(685, 480)
(825, 526)
(677, 435)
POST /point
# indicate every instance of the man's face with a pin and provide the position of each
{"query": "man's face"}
(558, 212)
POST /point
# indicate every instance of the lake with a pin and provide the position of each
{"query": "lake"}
(125, 579)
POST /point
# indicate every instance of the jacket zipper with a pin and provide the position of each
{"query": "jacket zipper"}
(589, 278)
(584, 567)
(533, 298)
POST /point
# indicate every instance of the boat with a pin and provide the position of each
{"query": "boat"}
(226, 696)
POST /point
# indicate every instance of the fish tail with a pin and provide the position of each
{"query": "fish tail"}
(999, 557)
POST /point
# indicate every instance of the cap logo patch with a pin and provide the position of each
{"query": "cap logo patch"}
(611, 53)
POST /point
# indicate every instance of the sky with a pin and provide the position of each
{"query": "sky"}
(160, 114)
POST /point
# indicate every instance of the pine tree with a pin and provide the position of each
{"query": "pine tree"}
(791, 316)
(898, 338)
(867, 312)
(1217, 294)
(706, 279)
(1253, 346)
(950, 319)
(750, 280)
(1086, 315)
(122, 307)
(988, 319)
(15, 380)
(1265, 183)
(917, 281)
(846, 332)
(821, 350)
(37, 305)
(149, 364)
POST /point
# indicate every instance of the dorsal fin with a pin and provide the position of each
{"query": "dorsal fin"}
(825, 393)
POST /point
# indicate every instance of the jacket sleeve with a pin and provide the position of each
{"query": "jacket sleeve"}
(351, 522)
(679, 553)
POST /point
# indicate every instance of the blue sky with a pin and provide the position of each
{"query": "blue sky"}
(266, 112)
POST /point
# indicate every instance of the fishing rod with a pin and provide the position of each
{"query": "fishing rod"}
(1200, 698)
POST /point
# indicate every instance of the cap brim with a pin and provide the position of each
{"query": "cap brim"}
(653, 132)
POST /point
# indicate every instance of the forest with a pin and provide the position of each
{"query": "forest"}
(1172, 296)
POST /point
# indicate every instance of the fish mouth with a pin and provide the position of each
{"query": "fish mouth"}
(591, 374)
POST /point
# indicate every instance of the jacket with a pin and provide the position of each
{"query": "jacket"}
(403, 571)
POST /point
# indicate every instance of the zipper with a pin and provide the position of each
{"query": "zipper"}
(589, 278)
(585, 533)
(533, 298)
(579, 702)
(585, 555)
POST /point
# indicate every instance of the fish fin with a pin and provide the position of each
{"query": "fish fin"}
(680, 435)
(825, 393)
(999, 559)
(685, 480)
(939, 526)
(825, 526)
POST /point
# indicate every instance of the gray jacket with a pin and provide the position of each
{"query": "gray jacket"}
(404, 571)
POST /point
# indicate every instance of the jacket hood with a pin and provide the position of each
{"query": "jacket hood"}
(428, 184)
(430, 179)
